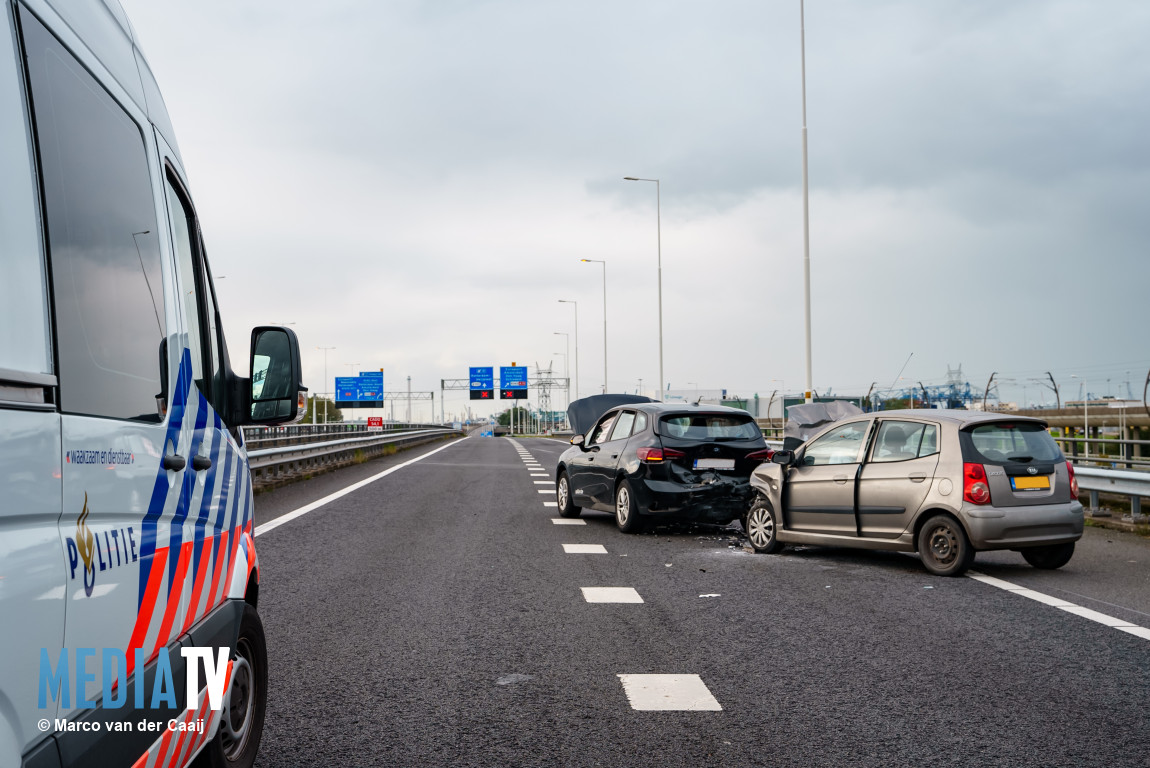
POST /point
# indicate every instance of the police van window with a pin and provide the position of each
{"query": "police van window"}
(204, 339)
(215, 341)
(24, 344)
(103, 245)
(182, 234)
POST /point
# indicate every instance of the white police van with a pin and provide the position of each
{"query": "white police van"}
(125, 493)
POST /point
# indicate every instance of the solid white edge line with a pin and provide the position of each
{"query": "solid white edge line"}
(1064, 605)
(289, 516)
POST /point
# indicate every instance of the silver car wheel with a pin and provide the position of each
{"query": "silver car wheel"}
(760, 527)
(944, 544)
(622, 506)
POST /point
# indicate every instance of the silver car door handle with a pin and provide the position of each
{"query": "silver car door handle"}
(917, 477)
(840, 479)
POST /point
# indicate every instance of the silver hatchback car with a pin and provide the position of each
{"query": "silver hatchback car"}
(941, 483)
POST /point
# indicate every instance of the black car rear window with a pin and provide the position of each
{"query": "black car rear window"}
(709, 426)
(1003, 442)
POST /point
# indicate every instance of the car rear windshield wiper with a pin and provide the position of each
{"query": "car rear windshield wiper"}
(727, 439)
(1020, 458)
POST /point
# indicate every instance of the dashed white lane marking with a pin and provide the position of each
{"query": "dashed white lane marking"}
(584, 549)
(611, 595)
(288, 517)
(551, 504)
(543, 482)
(565, 521)
(538, 474)
(1064, 605)
(546, 490)
(668, 692)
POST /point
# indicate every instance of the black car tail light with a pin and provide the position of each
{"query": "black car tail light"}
(763, 455)
(974, 485)
(650, 455)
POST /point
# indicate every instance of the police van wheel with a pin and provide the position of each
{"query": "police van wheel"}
(242, 720)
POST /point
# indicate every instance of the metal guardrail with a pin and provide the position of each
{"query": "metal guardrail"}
(1076, 449)
(304, 453)
(302, 433)
(1121, 482)
(285, 462)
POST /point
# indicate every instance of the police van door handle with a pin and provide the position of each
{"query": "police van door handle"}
(173, 462)
(200, 463)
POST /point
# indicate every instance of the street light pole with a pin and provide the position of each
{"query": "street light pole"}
(600, 261)
(806, 207)
(566, 367)
(1085, 413)
(571, 301)
(325, 349)
(659, 241)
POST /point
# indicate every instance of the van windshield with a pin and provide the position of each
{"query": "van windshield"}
(1004, 442)
(709, 426)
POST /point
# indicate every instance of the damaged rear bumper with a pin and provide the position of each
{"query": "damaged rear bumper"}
(719, 500)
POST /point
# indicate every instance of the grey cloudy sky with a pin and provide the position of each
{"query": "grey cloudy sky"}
(414, 183)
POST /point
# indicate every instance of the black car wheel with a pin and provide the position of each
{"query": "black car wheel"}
(242, 719)
(759, 525)
(626, 514)
(944, 547)
(1049, 557)
(567, 506)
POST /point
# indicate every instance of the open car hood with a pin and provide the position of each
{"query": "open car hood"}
(584, 412)
(805, 419)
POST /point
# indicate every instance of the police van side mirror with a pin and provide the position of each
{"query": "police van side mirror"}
(278, 395)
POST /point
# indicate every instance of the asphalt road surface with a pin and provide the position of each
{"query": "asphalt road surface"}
(432, 617)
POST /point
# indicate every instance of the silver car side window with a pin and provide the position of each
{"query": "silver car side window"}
(839, 446)
(897, 441)
(929, 444)
(904, 440)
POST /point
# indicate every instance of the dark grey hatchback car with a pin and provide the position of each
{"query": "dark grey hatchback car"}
(658, 461)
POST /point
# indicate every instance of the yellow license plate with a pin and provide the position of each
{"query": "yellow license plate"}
(1030, 483)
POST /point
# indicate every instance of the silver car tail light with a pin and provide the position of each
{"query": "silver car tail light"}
(974, 485)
